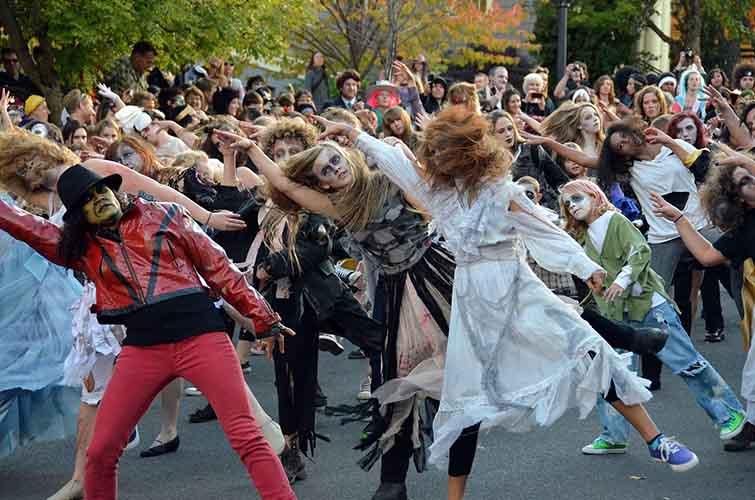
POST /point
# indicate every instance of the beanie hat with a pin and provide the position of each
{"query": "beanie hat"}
(32, 103)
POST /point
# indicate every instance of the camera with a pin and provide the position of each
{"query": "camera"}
(688, 53)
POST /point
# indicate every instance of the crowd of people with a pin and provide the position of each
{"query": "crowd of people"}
(168, 227)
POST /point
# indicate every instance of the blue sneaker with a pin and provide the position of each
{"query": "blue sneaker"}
(676, 455)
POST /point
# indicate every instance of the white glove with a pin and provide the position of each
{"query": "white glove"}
(105, 92)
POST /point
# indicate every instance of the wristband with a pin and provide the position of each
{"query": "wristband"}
(274, 331)
(677, 219)
(207, 223)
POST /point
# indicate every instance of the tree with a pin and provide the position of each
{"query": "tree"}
(367, 34)
(63, 44)
(602, 33)
(728, 16)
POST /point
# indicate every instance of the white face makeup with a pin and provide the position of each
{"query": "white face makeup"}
(130, 158)
(579, 205)
(331, 170)
(504, 133)
(589, 121)
(686, 130)
(746, 184)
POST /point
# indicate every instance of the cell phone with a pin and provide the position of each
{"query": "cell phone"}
(677, 199)
(537, 95)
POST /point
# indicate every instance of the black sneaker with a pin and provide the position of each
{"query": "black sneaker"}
(205, 414)
(357, 354)
(246, 367)
(716, 336)
(391, 491)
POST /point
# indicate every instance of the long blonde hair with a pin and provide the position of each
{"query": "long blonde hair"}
(356, 204)
(563, 123)
(29, 157)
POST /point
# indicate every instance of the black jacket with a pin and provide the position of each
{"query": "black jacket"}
(535, 162)
(314, 280)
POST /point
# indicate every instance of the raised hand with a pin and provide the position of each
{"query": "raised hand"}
(234, 141)
(595, 282)
(664, 209)
(657, 136)
(422, 120)
(332, 129)
(105, 92)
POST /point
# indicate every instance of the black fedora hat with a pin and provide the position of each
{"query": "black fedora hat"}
(74, 183)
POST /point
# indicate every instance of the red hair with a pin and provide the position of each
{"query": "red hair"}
(701, 139)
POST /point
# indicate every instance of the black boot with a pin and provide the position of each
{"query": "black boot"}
(391, 491)
(743, 441)
(205, 414)
(648, 340)
(320, 400)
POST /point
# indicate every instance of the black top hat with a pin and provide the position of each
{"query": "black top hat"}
(74, 183)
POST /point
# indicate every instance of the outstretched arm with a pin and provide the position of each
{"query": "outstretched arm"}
(568, 153)
(40, 234)
(306, 197)
(705, 253)
(135, 183)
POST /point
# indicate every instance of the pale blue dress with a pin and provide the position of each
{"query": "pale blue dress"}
(35, 339)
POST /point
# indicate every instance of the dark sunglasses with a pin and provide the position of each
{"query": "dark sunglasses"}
(89, 195)
(529, 194)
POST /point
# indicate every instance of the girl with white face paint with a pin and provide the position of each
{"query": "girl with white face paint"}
(637, 295)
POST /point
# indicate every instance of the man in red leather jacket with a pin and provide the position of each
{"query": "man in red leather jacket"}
(154, 269)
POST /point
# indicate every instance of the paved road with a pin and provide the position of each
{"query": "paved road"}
(540, 465)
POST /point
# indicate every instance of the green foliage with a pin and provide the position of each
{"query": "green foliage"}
(601, 33)
(88, 35)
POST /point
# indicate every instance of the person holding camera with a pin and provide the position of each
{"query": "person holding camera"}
(572, 79)
(535, 102)
(688, 59)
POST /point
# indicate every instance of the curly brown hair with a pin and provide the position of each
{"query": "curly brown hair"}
(721, 198)
(288, 129)
(456, 147)
(29, 157)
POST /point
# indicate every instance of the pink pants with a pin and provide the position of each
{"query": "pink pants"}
(209, 362)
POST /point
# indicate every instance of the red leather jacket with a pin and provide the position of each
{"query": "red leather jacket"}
(162, 254)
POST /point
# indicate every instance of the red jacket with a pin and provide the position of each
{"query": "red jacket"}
(162, 254)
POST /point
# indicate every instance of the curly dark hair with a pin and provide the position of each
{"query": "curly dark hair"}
(288, 128)
(721, 198)
(349, 74)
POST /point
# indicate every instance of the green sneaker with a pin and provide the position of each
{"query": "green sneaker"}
(602, 447)
(733, 426)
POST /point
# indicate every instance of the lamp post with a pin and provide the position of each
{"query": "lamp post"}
(563, 8)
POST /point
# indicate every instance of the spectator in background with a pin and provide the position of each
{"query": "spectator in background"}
(718, 79)
(743, 77)
(17, 84)
(573, 77)
(348, 88)
(130, 73)
(605, 96)
(649, 104)
(690, 97)
(316, 80)
(634, 84)
(380, 98)
(499, 83)
(226, 102)
(434, 100)
(228, 67)
(79, 108)
(535, 102)
(464, 94)
(208, 88)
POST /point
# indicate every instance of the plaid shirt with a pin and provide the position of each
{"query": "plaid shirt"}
(123, 77)
(558, 283)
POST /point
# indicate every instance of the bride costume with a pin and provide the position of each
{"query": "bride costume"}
(517, 356)
(35, 326)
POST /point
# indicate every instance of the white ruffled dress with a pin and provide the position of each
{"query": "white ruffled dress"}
(517, 356)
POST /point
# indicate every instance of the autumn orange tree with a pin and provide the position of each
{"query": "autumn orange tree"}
(367, 34)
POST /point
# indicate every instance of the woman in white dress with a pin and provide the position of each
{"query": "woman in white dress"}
(504, 365)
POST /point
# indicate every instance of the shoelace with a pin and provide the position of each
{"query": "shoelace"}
(668, 447)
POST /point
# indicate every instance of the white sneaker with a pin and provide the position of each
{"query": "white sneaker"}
(192, 391)
(365, 391)
(133, 440)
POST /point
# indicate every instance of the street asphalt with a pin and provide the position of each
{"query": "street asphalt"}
(542, 465)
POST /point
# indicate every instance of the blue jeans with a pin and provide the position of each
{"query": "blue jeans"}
(711, 391)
